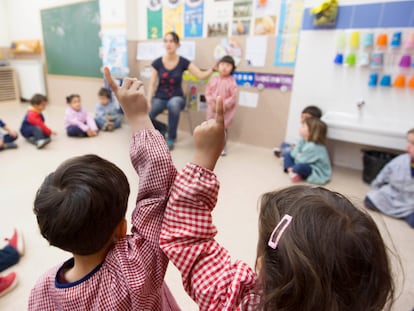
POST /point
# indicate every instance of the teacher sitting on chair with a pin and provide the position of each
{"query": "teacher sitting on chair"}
(167, 71)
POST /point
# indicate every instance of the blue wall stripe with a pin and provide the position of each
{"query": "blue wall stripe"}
(374, 15)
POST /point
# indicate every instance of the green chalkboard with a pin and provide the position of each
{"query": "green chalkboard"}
(71, 39)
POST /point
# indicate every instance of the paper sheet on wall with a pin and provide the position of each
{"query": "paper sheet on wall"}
(256, 48)
(153, 50)
(248, 99)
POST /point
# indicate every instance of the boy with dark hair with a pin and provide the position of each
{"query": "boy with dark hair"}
(81, 208)
(33, 126)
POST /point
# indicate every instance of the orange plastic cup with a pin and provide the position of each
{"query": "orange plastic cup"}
(411, 83)
(382, 40)
(399, 81)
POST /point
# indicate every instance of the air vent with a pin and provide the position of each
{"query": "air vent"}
(9, 90)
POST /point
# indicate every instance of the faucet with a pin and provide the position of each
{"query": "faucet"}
(360, 103)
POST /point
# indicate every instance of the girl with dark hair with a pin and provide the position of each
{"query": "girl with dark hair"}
(78, 122)
(166, 79)
(316, 250)
(223, 85)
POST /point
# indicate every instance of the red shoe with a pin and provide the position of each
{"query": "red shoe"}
(7, 283)
(16, 241)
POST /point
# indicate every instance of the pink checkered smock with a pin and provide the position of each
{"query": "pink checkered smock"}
(132, 274)
(187, 237)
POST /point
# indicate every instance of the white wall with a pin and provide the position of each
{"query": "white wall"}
(4, 33)
(318, 81)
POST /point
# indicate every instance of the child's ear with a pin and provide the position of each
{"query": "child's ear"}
(121, 229)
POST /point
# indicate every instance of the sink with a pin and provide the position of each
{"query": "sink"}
(367, 130)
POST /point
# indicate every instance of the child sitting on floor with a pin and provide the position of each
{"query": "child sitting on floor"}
(106, 112)
(78, 122)
(316, 250)
(33, 127)
(309, 160)
(7, 140)
(392, 191)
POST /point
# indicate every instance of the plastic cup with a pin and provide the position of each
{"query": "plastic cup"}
(363, 59)
(411, 83)
(351, 59)
(373, 79)
(368, 39)
(399, 81)
(409, 43)
(377, 60)
(405, 61)
(396, 39)
(339, 59)
(354, 40)
(340, 41)
(382, 40)
(385, 81)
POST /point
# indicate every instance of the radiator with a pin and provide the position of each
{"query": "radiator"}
(30, 76)
(9, 90)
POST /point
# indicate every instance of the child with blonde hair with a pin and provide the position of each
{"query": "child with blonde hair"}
(223, 85)
(309, 160)
(316, 250)
(78, 122)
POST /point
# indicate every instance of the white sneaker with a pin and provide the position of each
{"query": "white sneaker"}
(42, 142)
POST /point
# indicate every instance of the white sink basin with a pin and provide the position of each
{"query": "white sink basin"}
(367, 130)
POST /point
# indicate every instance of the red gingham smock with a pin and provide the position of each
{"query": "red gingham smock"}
(187, 237)
(132, 274)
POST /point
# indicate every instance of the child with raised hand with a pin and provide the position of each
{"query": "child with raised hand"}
(33, 127)
(316, 250)
(223, 85)
(309, 160)
(78, 122)
(7, 140)
(81, 208)
(106, 112)
(392, 191)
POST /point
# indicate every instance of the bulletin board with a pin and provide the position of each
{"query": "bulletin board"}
(71, 39)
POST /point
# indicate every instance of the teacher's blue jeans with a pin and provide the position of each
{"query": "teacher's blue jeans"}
(174, 105)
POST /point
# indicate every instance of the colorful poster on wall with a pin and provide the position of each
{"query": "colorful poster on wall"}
(114, 48)
(230, 47)
(193, 18)
(154, 19)
(291, 14)
(219, 16)
(173, 16)
(242, 17)
(273, 81)
(265, 21)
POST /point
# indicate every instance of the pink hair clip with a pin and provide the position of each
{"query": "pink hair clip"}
(283, 224)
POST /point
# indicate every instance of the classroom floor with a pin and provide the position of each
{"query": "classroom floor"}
(245, 173)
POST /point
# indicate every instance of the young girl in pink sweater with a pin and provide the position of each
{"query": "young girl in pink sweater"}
(223, 85)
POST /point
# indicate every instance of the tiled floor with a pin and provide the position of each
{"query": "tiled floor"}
(245, 173)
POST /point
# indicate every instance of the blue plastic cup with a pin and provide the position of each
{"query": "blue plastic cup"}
(396, 39)
(373, 79)
(339, 59)
(386, 81)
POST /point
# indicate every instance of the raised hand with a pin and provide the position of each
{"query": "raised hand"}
(209, 138)
(132, 100)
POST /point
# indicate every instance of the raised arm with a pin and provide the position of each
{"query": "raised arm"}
(187, 235)
(201, 74)
(150, 158)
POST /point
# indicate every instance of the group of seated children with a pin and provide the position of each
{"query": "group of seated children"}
(308, 159)
(316, 250)
(77, 121)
